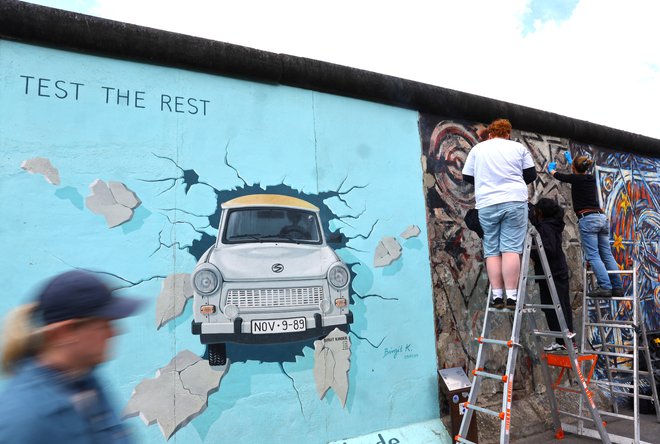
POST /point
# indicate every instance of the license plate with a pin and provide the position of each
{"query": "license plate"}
(267, 326)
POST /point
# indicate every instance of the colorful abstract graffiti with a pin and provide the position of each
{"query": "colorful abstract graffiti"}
(629, 188)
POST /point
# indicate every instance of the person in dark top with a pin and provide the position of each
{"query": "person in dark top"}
(593, 224)
(548, 218)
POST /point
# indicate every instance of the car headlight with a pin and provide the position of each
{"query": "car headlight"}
(206, 280)
(338, 276)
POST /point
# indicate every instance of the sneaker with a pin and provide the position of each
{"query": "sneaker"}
(554, 347)
(511, 303)
(497, 303)
(617, 292)
(600, 293)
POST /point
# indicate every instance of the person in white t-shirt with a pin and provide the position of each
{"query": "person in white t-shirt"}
(500, 170)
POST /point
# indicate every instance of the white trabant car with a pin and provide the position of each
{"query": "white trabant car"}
(269, 278)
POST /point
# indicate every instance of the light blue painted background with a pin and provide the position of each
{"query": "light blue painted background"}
(275, 134)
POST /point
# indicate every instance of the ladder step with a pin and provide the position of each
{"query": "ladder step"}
(458, 438)
(610, 325)
(589, 271)
(502, 378)
(614, 384)
(509, 343)
(623, 346)
(553, 334)
(542, 306)
(502, 310)
(629, 371)
(573, 415)
(615, 415)
(483, 410)
(537, 277)
(610, 298)
(614, 355)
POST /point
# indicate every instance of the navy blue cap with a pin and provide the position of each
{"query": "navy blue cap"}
(80, 294)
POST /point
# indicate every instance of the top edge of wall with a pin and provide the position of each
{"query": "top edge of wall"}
(40, 25)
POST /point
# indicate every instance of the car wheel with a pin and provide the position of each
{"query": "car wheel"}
(217, 354)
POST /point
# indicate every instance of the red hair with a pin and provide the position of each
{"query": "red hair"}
(500, 128)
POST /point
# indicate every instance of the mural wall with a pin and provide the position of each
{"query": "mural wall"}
(122, 168)
(628, 185)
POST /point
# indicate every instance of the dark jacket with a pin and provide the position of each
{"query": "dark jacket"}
(550, 229)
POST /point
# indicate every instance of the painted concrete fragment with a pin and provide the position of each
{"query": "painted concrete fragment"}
(387, 251)
(174, 294)
(41, 165)
(123, 195)
(411, 231)
(331, 364)
(186, 382)
(115, 202)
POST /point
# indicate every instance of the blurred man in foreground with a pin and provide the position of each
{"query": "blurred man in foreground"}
(50, 348)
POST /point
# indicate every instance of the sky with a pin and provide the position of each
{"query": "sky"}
(594, 60)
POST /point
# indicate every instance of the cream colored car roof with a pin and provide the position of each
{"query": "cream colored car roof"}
(278, 200)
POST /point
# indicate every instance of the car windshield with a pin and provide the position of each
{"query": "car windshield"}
(271, 225)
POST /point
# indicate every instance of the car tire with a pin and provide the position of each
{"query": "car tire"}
(217, 354)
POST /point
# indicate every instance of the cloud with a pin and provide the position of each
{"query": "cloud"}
(595, 62)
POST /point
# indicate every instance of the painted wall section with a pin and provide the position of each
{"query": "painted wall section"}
(180, 143)
(629, 189)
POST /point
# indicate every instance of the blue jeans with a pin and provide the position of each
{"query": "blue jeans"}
(595, 234)
(505, 227)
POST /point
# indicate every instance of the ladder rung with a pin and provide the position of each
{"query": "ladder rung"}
(614, 384)
(458, 438)
(614, 272)
(615, 355)
(615, 415)
(573, 415)
(496, 342)
(542, 306)
(537, 276)
(502, 310)
(502, 378)
(609, 325)
(617, 321)
(483, 410)
(626, 347)
(610, 298)
(553, 334)
(627, 370)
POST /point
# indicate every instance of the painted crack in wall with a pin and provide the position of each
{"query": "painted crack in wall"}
(331, 355)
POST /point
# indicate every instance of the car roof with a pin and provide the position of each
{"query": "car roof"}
(270, 200)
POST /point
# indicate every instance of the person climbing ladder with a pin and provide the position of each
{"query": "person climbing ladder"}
(592, 223)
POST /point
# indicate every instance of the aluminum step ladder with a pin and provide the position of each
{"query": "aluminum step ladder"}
(532, 240)
(601, 315)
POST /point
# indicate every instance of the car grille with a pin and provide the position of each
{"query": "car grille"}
(275, 297)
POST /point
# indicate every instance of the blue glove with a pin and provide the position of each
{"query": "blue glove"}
(569, 159)
(552, 167)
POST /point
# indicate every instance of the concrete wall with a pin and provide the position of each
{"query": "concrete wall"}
(182, 143)
(166, 127)
(629, 189)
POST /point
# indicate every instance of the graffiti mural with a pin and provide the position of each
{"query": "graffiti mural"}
(628, 187)
(320, 255)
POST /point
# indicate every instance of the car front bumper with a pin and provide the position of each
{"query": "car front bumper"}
(239, 331)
